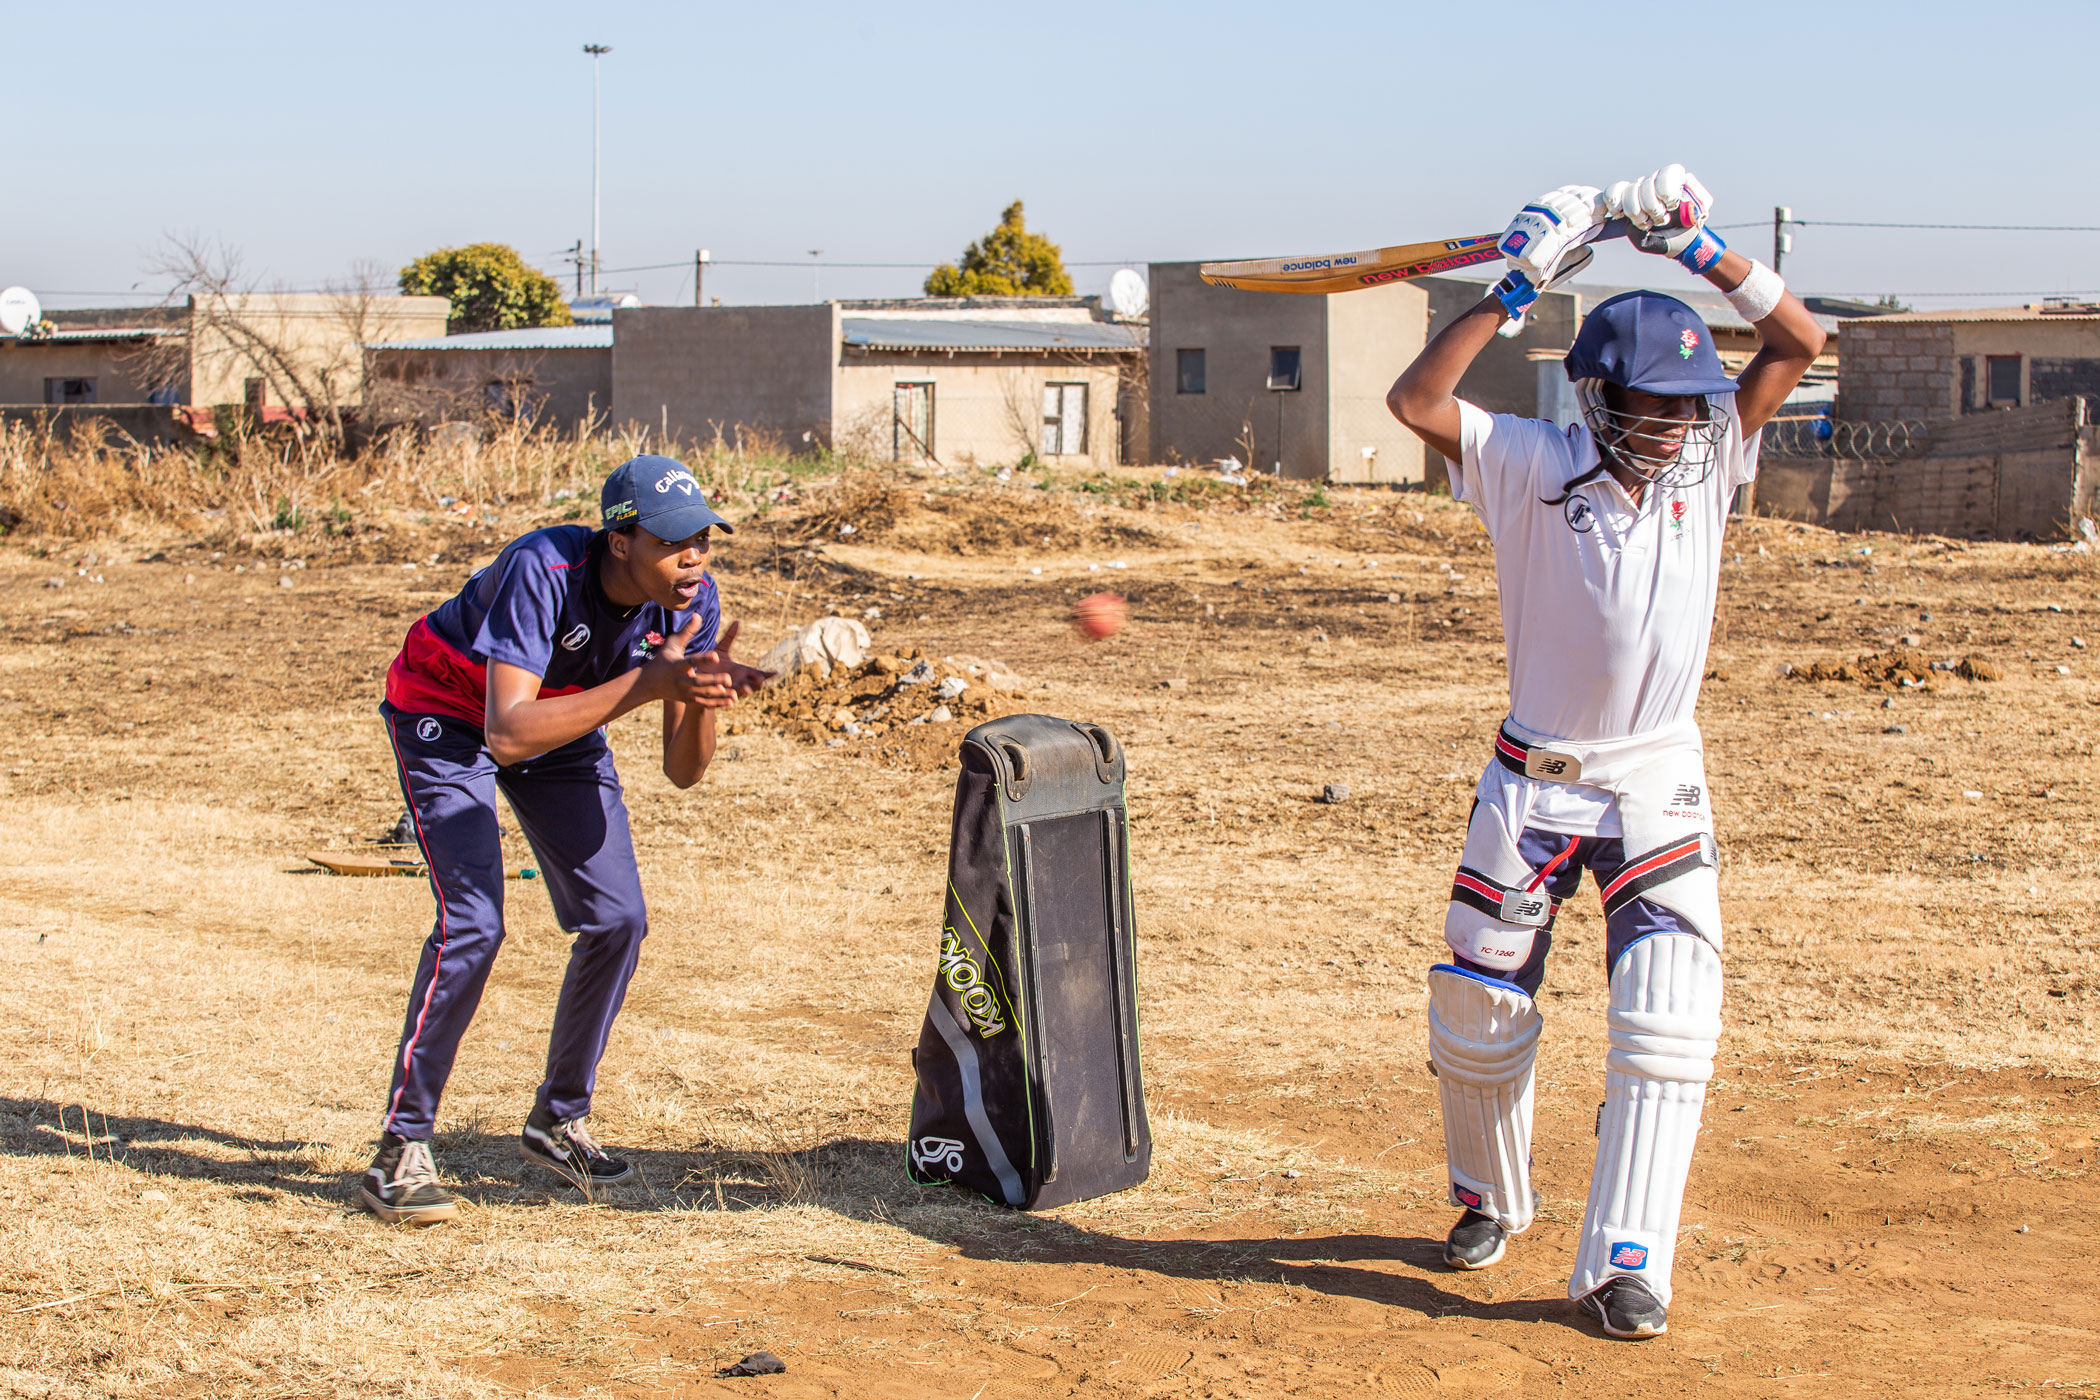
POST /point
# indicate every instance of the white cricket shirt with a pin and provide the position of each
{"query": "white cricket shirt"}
(1607, 607)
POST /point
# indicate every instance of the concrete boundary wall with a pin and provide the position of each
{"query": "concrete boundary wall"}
(2023, 474)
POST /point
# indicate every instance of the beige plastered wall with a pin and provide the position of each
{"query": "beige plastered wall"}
(1371, 336)
(987, 409)
(2038, 339)
(25, 364)
(303, 345)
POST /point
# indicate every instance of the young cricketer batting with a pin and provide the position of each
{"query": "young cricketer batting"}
(507, 687)
(1608, 554)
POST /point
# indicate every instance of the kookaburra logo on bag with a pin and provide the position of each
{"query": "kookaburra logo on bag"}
(937, 1151)
(979, 1002)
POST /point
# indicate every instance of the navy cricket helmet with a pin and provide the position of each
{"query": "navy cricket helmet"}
(1648, 341)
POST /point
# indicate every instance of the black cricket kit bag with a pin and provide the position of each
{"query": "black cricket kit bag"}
(1028, 1063)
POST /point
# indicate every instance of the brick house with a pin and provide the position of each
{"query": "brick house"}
(1936, 365)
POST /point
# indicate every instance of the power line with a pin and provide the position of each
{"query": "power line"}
(805, 262)
(1967, 228)
(1877, 292)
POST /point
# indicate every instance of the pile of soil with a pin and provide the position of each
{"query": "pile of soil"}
(893, 705)
(1898, 668)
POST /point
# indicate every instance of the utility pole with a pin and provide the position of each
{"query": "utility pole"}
(814, 254)
(699, 267)
(596, 51)
(1782, 241)
(576, 257)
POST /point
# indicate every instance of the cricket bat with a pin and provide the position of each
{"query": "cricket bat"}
(1347, 272)
(1374, 267)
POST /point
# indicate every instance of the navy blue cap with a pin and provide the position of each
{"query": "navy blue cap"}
(660, 495)
(1647, 341)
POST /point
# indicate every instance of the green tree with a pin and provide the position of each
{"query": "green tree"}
(491, 288)
(1007, 262)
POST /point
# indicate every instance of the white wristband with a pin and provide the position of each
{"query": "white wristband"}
(1758, 293)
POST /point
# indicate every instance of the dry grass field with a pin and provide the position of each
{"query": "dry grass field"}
(1894, 1193)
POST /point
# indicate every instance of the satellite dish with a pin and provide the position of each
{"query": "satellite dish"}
(19, 310)
(1127, 292)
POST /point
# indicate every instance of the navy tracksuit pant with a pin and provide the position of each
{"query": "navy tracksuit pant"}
(568, 802)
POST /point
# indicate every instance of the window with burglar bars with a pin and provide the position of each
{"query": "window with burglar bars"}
(911, 423)
(1064, 420)
(1188, 371)
(2002, 380)
(63, 391)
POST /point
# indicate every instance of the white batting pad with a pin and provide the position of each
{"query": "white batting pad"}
(1665, 1020)
(1483, 1038)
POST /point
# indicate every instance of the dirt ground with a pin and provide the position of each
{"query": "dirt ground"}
(1893, 1194)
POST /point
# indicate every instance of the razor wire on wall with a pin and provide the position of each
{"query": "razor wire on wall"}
(1877, 440)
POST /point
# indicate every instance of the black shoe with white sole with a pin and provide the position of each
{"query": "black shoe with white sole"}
(566, 1146)
(401, 1186)
(1627, 1309)
(1475, 1242)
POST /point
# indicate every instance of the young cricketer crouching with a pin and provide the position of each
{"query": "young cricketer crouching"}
(507, 687)
(1607, 554)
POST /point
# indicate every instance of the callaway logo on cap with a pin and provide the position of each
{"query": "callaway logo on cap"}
(661, 496)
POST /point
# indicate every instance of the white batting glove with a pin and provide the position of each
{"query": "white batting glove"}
(1543, 231)
(1671, 197)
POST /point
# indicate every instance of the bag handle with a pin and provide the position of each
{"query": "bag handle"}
(1016, 757)
(1106, 750)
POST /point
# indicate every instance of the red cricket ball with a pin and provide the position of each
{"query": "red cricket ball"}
(1100, 615)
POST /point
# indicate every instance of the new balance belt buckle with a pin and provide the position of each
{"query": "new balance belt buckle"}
(1549, 765)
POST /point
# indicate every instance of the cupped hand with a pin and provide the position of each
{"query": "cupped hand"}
(674, 674)
(718, 674)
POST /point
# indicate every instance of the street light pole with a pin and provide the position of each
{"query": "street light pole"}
(814, 254)
(595, 51)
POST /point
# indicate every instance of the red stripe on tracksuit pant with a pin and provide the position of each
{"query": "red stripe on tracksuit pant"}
(568, 803)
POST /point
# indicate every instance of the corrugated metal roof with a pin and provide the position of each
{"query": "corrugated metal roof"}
(599, 337)
(884, 333)
(91, 334)
(1988, 313)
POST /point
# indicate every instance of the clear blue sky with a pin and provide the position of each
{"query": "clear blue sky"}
(315, 137)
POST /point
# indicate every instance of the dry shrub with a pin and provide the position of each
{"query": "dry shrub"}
(90, 480)
(858, 503)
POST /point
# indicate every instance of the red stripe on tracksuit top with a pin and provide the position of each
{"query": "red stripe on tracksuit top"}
(430, 676)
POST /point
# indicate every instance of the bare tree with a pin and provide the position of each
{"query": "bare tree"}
(1021, 405)
(302, 351)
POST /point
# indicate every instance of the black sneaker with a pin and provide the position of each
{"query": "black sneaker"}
(1475, 1242)
(1627, 1309)
(566, 1146)
(401, 1186)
